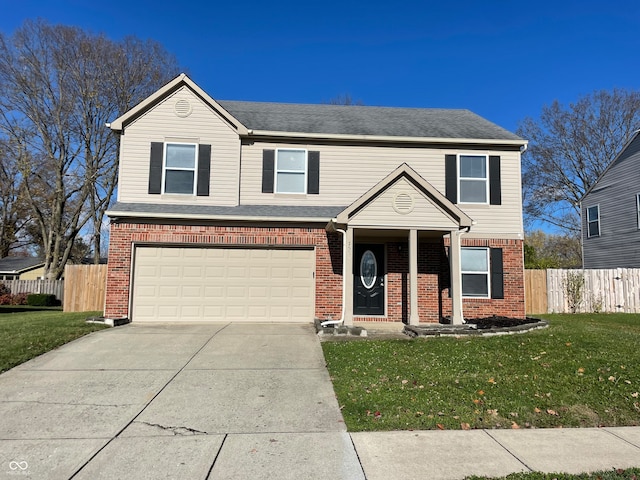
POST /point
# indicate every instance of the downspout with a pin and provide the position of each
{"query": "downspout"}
(344, 280)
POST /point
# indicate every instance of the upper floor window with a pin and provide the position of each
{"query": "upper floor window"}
(291, 171)
(474, 184)
(593, 221)
(180, 168)
(474, 263)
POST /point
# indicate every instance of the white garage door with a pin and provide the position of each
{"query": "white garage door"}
(223, 284)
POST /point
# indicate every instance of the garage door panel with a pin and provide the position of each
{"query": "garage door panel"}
(230, 284)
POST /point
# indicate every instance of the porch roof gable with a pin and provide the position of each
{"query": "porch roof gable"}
(404, 199)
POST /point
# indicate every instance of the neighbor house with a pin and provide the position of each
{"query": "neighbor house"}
(611, 213)
(247, 211)
(21, 268)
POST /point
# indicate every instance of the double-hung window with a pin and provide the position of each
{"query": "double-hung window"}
(180, 168)
(291, 171)
(593, 221)
(474, 184)
(475, 272)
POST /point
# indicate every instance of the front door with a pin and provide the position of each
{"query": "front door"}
(368, 279)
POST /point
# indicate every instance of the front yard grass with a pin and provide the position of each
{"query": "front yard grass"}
(618, 474)
(26, 332)
(582, 371)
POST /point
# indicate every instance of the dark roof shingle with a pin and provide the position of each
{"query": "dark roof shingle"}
(362, 120)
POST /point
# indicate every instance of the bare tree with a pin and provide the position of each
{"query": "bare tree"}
(344, 99)
(14, 211)
(58, 87)
(569, 148)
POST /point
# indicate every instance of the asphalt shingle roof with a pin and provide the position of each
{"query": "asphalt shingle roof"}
(17, 264)
(363, 120)
(267, 211)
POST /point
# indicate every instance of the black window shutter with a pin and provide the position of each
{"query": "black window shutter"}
(451, 178)
(497, 275)
(155, 168)
(204, 170)
(313, 177)
(268, 165)
(495, 188)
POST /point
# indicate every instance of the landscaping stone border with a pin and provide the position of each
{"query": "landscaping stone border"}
(470, 329)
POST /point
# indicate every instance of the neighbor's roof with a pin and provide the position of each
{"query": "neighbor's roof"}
(362, 123)
(19, 264)
(362, 120)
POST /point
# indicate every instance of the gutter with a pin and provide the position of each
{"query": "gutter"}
(195, 216)
(385, 138)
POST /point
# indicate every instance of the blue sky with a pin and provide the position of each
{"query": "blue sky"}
(501, 59)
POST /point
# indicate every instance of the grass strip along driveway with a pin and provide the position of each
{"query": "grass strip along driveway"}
(27, 332)
(582, 371)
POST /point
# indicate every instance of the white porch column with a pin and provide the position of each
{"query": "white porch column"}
(348, 279)
(456, 278)
(414, 318)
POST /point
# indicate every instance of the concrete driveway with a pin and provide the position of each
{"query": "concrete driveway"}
(176, 401)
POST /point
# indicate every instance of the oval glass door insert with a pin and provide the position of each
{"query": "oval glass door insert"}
(368, 269)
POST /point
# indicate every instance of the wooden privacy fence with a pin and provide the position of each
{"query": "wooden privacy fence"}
(601, 290)
(52, 287)
(84, 287)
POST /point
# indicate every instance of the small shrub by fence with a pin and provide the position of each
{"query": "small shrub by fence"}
(85, 287)
(584, 291)
(51, 287)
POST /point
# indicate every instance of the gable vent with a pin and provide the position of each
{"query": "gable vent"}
(403, 203)
(183, 108)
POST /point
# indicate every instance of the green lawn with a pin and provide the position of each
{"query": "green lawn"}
(620, 474)
(582, 371)
(26, 332)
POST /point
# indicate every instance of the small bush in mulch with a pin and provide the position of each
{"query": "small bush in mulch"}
(498, 322)
(4, 290)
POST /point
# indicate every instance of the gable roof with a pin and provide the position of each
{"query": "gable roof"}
(337, 121)
(19, 264)
(366, 121)
(438, 200)
(634, 137)
(181, 80)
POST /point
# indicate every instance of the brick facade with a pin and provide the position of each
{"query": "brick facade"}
(433, 266)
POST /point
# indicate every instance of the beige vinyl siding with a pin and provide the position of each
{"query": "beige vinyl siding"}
(34, 274)
(401, 206)
(347, 172)
(161, 124)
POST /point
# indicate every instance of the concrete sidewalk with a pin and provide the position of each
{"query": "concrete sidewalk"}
(227, 401)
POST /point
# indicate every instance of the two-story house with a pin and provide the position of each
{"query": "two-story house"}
(247, 211)
(610, 212)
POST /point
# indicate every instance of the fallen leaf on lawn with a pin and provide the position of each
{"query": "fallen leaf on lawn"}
(635, 394)
(465, 426)
(377, 414)
(628, 382)
(568, 344)
(514, 414)
(440, 426)
(514, 426)
(476, 401)
(419, 414)
(405, 382)
(491, 381)
(537, 410)
(552, 412)
(493, 411)
(480, 392)
(612, 378)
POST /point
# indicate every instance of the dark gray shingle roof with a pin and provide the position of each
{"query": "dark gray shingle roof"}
(18, 264)
(267, 211)
(361, 120)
